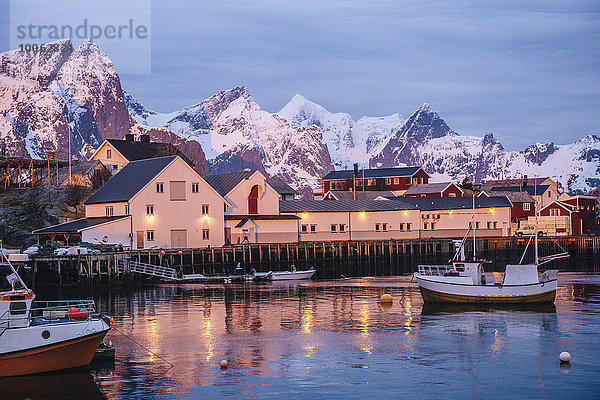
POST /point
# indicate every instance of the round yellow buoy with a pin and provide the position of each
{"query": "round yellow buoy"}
(385, 298)
(224, 363)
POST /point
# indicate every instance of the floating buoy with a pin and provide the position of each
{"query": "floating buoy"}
(224, 363)
(564, 357)
(385, 298)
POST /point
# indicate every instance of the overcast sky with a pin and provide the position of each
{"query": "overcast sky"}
(524, 70)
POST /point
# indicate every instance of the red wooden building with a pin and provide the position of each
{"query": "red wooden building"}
(523, 204)
(438, 189)
(394, 179)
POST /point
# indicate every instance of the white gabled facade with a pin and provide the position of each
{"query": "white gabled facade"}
(176, 208)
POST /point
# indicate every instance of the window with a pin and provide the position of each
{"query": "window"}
(127, 209)
(489, 224)
(407, 180)
(415, 181)
(426, 225)
(115, 167)
(549, 194)
(384, 227)
(149, 209)
(396, 181)
(433, 226)
(149, 235)
(333, 228)
(408, 227)
(195, 187)
(313, 228)
(372, 182)
(421, 181)
(452, 195)
(204, 209)
(110, 211)
(388, 181)
(205, 234)
(423, 195)
(495, 224)
(160, 187)
(108, 153)
(304, 228)
(526, 206)
(477, 225)
(554, 212)
(401, 227)
(177, 190)
(342, 228)
(377, 228)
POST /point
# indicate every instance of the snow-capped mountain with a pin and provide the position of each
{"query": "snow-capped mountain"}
(348, 141)
(236, 133)
(425, 139)
(47, 96)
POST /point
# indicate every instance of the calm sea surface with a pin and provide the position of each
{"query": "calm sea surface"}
(333, 339)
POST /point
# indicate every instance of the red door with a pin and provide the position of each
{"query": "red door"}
(253, 201)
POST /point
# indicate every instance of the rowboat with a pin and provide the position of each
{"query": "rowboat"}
(38, 337)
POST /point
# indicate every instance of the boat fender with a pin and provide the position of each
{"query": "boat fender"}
(108, 320)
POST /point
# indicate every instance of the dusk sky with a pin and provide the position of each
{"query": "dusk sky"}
(525, 71)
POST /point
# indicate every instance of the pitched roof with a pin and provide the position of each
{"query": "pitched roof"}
(515, 197)
(78, 225)
(281, 187)
(81, 167)
(427, 188)
(532, 190)
(360, 195)
(224, 183)
(130, 180)
(134, 151)
(373, 173)
(516, 181)
(398, 203)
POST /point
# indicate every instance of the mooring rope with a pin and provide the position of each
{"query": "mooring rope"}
(407, 288)
(143, 347)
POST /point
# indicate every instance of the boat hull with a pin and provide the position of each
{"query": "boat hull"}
(67, 354)
(290, 276)
(444, 292)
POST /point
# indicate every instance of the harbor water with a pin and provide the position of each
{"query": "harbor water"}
(333, 339)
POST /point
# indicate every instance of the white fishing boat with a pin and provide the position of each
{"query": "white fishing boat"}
(284, 275)
(464, 281)
(37, 337)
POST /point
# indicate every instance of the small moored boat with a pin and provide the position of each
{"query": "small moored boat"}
(284, 275)
(464, 281)
(45, 336)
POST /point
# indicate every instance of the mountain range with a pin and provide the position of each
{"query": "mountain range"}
(45, 97)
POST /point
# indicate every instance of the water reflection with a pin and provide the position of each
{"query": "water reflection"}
(334, 338)
(68, 385)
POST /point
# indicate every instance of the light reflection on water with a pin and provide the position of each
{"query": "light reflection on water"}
(333, 338)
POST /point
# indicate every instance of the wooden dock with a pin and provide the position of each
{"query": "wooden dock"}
(331, 259)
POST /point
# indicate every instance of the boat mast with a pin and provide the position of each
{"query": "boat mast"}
(536, 207)
(474, 242)
(11, 266)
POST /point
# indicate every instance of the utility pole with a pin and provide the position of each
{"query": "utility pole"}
(69, 133)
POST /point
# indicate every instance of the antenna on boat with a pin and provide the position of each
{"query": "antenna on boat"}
(474, 242)
(14, 271)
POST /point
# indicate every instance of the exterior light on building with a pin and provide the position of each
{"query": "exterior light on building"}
(405, 212)
(362, 213)
(492, 210)
(304, 214)
(449, 211)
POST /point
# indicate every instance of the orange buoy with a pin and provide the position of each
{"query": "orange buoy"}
(73, 312)
(224, 363)
(385, 298)
(83, 313)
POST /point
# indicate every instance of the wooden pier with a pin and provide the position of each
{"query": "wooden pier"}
(331, 259)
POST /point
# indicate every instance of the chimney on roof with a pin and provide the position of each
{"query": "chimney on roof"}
(524, 181)
(144, 138)
(355, 169)
(247, 169)
(129, 137)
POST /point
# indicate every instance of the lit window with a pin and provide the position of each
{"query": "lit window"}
(377, 228)
(554, 212)
(160, 187)
(388, 181)
(452, 195)
(526, 206)
(205, 234)
(333, 228)
(313, 229)
(195, 187)
(108, 153)
(110, 211)
(149, 209)
(396, 181)
(342, 228)
(204, 209)
(304, 228)
(149, 235)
